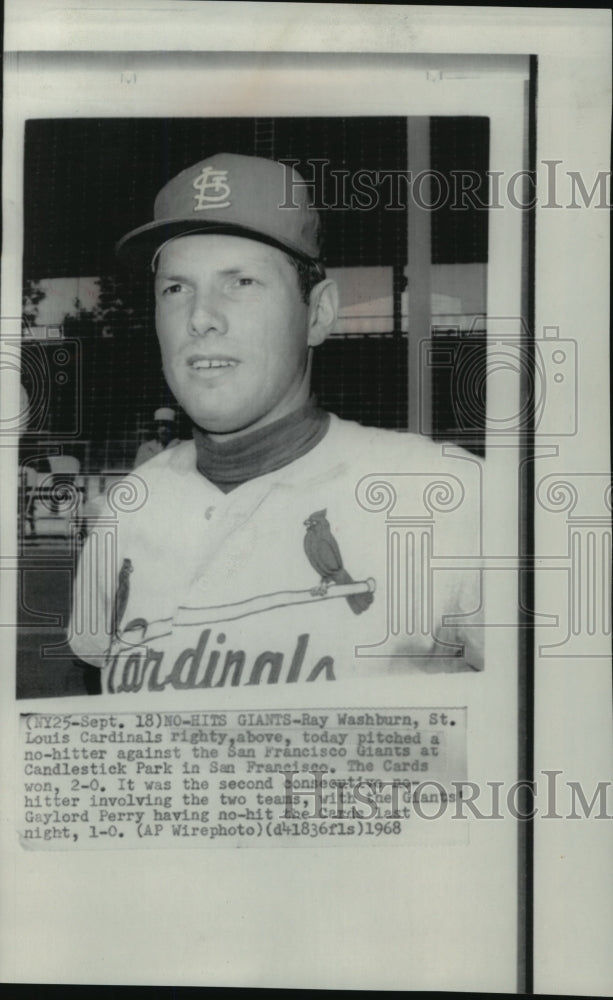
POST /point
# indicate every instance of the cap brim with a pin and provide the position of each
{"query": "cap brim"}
(138, 248)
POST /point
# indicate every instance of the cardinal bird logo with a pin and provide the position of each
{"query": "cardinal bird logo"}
(121, 597)
(325, 557)
(120, 603)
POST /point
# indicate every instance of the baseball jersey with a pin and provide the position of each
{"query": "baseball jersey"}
(149, 449)
(359, 559)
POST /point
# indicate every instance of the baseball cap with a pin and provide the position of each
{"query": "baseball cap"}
(164, 413)
(236, 195)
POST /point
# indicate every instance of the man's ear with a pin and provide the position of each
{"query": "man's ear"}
(323, 311)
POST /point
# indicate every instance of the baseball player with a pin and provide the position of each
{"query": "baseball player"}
(282, 545)
(164, 419)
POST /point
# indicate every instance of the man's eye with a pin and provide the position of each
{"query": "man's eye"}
(172, 289)
(244, 282)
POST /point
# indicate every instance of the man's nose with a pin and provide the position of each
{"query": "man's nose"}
(207, 315)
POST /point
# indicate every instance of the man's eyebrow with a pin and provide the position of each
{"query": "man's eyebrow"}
(258, 266)
(169, 276)
(226, 272)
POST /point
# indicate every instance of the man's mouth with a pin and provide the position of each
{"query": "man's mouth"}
(206, 364)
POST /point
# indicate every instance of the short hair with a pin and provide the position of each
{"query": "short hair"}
(310, 273)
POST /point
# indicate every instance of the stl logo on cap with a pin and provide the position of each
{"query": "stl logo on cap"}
(215, 181)
(236, 194)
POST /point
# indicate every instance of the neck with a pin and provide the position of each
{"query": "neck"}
(297, 403)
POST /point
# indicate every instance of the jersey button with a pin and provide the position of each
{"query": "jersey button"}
(209, 513)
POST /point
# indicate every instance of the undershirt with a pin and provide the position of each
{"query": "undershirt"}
(228, 464)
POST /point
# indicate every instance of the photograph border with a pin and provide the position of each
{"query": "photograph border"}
(529, 593)
(524, 889)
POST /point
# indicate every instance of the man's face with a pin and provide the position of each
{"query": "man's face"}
(233, 331)
(164, 432)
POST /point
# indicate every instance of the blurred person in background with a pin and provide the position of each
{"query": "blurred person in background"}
(165, 436)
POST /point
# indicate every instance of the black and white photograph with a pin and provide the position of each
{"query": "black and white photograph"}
(306, 493)
(305, 396)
